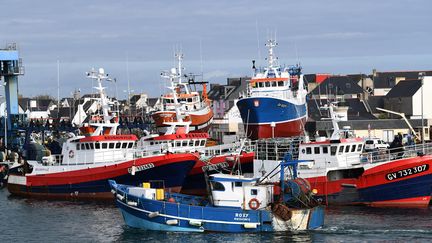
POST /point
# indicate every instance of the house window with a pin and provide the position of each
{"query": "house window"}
(78, 146)
(97, 145)
(124, 145)
(254, 192)
(341, 149)
(280, 83)
(111, 145)
(238, 184)
(316, 150)
(130, 145)
(104, 145)
(359, 148)
(347, 148)
(308, 150)
(202, 142)
(118, 145)
(353, 148)
(91, 146)
(82, 146)
(273, 84)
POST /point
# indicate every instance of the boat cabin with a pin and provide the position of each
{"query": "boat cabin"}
(191, 101)
(331, 153)
(239, 191)
(184, 142)
(95, 149)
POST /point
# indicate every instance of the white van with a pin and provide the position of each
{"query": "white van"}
(375, 144)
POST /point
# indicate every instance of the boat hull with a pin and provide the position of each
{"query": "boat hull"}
(157, 215)
(92, 183)
(399, 183)
(266, 117)
(195, 181)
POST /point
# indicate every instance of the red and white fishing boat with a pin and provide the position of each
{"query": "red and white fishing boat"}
(342, 173)
(86, 163)
(193, 106)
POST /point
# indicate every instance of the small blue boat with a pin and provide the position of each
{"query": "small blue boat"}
(235, 204)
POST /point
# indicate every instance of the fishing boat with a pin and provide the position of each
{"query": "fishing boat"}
(86, 163)
(343, 174)
(235, 204)
(193, 106)
(275, 104)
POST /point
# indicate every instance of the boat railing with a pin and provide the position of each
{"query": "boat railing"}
(275, 149)
(380, 156)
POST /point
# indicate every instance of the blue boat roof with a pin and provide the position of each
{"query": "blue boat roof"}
(9, 55)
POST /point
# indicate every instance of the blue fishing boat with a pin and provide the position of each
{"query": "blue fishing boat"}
(235, 204)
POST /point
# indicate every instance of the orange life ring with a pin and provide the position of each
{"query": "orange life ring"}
(254, 204)
(71, 154)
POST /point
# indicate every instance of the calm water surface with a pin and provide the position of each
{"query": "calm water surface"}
(28, 220)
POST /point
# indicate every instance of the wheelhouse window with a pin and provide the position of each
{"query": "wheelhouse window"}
(353, 148)
(316, 150)
(104, 145)
(97, 145)
(280, 83)
(341, 149)
(359, 148)
(124, 145)
(217, 186)
(130, 145)
(111, 145)
(254, 192)
(325, 149)
(78, 146)
(308, 150)
(238, 184)
(347, 148)
(82, 146)
(202, 142)
(333, 150)
(118, 145)
(91, 146)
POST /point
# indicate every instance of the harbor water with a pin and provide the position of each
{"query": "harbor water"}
(30, 220)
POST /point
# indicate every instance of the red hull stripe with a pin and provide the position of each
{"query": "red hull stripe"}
(103, 172)
(102, 138)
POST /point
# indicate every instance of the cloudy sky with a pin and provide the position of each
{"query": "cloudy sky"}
(218, 38)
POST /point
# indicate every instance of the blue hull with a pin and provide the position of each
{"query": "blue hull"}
(265, 117)
(264, 110)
